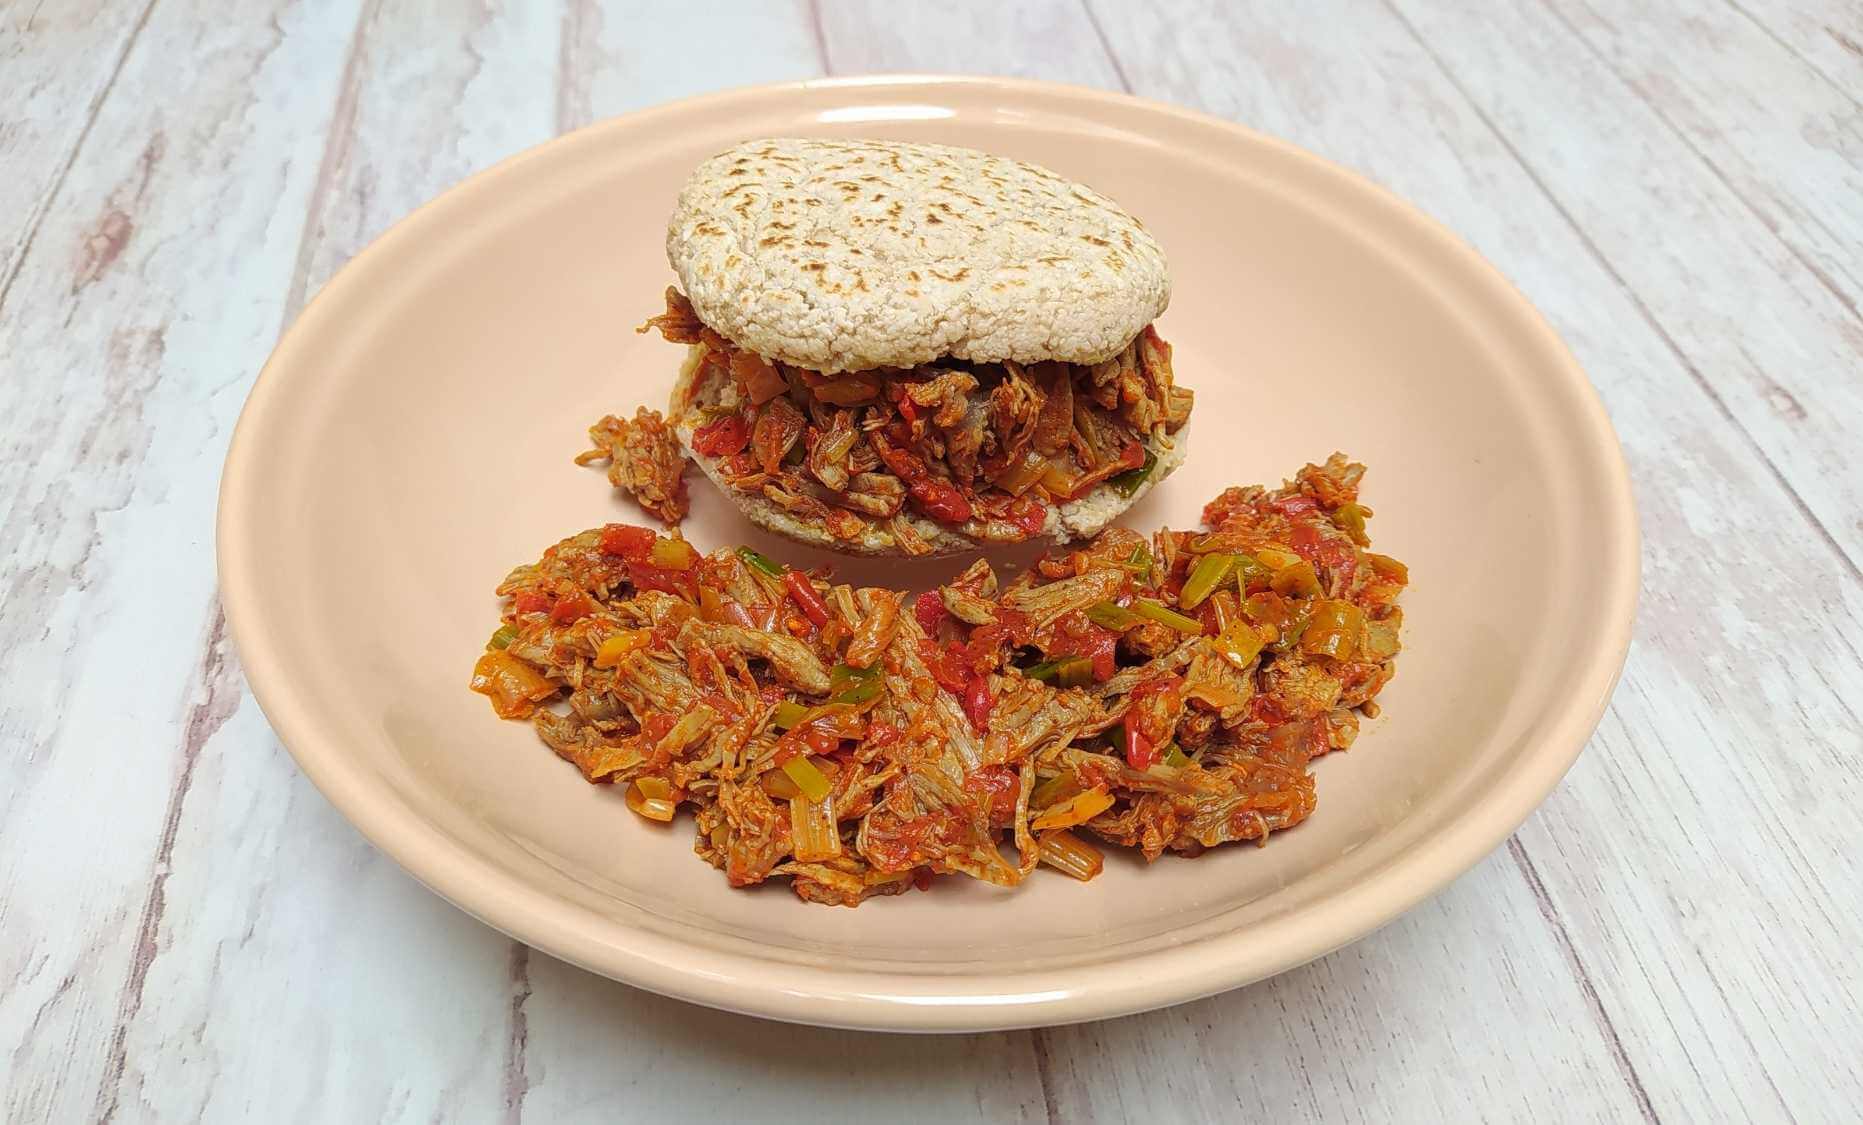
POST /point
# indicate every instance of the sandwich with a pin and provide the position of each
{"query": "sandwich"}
(912, 349)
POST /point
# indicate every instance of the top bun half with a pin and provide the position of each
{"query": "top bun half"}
(840, 256)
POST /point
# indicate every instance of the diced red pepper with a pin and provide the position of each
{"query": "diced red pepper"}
(1149, 718)
(1028, 515)
(571, 609)
(1140, 753)
(944, 666)
(627, 541)
(930, 611)
(721, 438)
(820, 741)
(802, 591)
(1092, 641)
(977, 702)
(734, 613)
(646, 576)
(939, 499)
(881, 734)
(529, 601)
(933, 495)
(999, 784)
(1331, 556)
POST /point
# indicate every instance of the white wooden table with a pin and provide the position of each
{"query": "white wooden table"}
(187, 929)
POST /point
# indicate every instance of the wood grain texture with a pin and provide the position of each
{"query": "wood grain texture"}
(59, 63)
(191, 932)
(126, 367)
(1639, 851)
(1826, 34)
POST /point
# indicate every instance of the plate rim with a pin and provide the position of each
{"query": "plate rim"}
(869, 999)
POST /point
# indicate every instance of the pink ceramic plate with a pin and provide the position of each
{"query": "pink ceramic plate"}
(411, 440)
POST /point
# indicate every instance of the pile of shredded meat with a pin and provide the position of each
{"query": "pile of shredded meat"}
(1163, 693)
(985, 448)
(644, 460)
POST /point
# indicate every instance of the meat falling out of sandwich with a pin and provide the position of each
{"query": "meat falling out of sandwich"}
(902, 349)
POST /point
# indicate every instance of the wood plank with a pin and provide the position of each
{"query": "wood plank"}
(126, 367)
(254, 994)
(59, 61)
(1687, 937)
(1389, 1029)
(604, 1052)
(1030, 39)
(623, 55)
(1781, 141)
(1826, 34)
(430, 95)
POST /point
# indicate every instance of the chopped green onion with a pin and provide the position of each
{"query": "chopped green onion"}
(1276, 558)
(843, 676)
(1067, 671)
(1298, 580)
(1075, 672)
(1140, 562)
(1111, 615)
(502, 638)
(1045, 670)
(1239, 643)
(1350, 518)
(808, 777)
(1175, 757)
(863, 691)
(1381, 640)
(790, 714)
(1157, 611)
(1204, 578)
(1061, 787)
(760, 562)
(1251, 572)
(1072, 855)
(1387, 567)
(1334, 629)
(1077, 810)
(1295, 627)
(813, 834)
(1128, 482)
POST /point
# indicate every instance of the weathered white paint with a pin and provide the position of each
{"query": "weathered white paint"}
(188, 930)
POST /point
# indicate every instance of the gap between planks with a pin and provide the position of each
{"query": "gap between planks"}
(1809, 65)
(57, 185)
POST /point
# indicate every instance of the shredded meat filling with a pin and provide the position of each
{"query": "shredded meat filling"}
(644, 461)
(1162, 693)
(989, 449)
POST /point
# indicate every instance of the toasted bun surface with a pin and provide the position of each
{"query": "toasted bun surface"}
(846, 255)
(1081, 518)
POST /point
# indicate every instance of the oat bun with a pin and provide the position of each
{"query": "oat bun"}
(845, 255)
(1076, 519)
